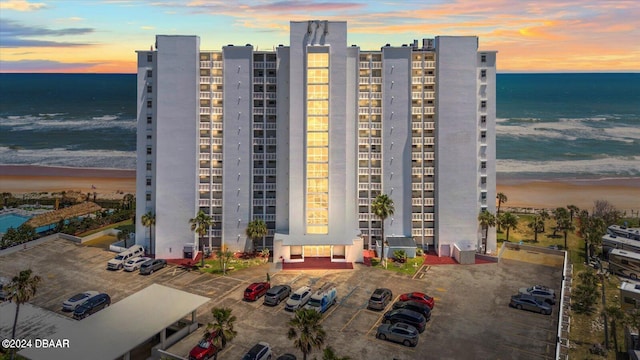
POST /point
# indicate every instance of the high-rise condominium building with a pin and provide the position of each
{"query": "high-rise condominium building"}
(306, 136)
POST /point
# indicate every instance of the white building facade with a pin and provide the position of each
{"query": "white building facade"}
(306, 136)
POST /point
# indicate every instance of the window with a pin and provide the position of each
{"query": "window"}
(483, 135)
(149, 89)
(483, 180)
(149, 73)
(483, 58)
(149, 119)
(148, 137)
(483, 196)
(148, 150)
(483, 119)
(148, 181)
(483, 73)
(148, 197)
(483, 104)
(148, 166)
(149, 57)
(149, 104)
(483, 165)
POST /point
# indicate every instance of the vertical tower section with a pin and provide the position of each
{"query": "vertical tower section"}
(238, 146)
(173, 150)
(210, 144)
(460, 163)
(321, 144)
(396, 138)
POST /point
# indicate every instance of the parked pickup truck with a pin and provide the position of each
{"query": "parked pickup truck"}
(323, 298)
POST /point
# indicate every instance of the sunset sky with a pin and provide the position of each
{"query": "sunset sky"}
(101, 36)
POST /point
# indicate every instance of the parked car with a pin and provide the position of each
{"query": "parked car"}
(77, 300)
(323, 298)
(260, 351)
(406, 316)
(254, 291)
(149, 266)
(416, 306)
(398, 332)
(379, 299)
(420, 297)
(298, 299)
(92, 305)
(276, 294)
(529, 302)
(541, 293)
(117, 263)
(204, 350)
(135, 263)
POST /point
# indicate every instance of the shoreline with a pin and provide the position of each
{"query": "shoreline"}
(622, 192)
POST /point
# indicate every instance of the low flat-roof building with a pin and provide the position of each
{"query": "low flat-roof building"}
(113, 332)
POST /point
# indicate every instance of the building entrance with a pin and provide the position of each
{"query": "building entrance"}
(317, 251)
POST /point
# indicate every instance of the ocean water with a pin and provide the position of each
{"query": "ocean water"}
(549, 126)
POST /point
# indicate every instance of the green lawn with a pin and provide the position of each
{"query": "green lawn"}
(212, 266)
(408, 268)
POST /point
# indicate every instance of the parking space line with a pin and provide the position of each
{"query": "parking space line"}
(350, 320)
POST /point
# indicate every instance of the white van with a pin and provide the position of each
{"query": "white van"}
(117, 263)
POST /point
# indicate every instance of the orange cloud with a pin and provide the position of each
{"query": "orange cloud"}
(20, 5)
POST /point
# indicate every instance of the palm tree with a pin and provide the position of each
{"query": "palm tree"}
(536, 225)
(382, 207)
(20, 290)
(127, 201)
(573, 210)
(486, 220)
(149, 220)
(615, 315)
(256, 229)
(591, 229)
(502, 198)
(311, 335)
(565, 225)
(200, 224)
(509, 221)
(544, 214)
(222, 326)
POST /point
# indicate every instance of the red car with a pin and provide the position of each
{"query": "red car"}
(420, 297)
(256, 290)
(204, 350)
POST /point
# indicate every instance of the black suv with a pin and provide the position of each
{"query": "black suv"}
(379, 299)
(92, 305)
(277, 294)
(406, 316)
(415, 306)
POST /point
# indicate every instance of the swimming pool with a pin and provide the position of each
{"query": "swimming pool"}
(11, 220)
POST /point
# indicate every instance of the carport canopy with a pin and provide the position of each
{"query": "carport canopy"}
(113, 332)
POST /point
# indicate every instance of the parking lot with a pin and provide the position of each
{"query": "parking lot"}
(471, 318)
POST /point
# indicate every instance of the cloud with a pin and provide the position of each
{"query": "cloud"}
(14, 34)
(147, 27)
(41, 66)
(20, 5)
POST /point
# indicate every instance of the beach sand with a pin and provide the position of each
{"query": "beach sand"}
(623, 193)
(106, 183)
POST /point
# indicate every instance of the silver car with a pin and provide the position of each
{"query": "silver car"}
(528, 302)
(399, 332)
(298, 299)
(540, 292)
(276, 294)
(152, 265)
(78, 299)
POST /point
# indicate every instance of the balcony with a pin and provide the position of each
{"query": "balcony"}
(363, 202)
(364, 64)
(258, 80)
(364, 216)
(364, 80)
